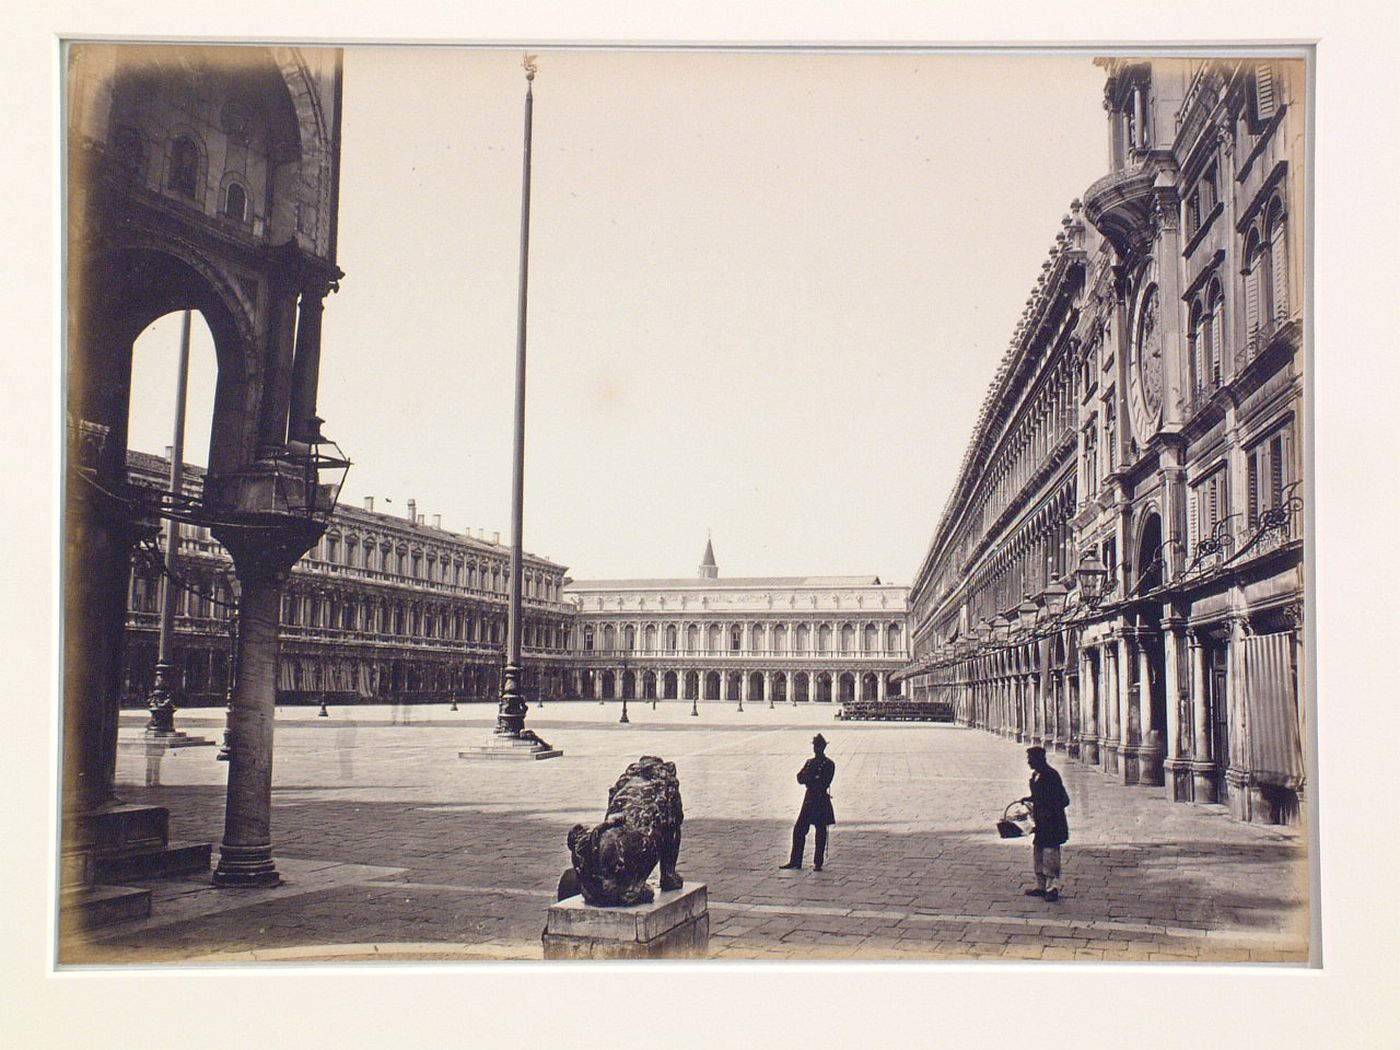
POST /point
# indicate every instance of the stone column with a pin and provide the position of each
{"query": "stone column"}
(277, 342)
(1151, 746)
(880, 686)
(263, 563)
(1129, 726)
(1237, 773)
(1202, 767)
(306, 367)
(723, 685)
(1177, 768)
(1089, 709)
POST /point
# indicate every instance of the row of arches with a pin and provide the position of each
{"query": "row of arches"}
(413, 618)
(779, 687)
(398, 557)
(745, 638)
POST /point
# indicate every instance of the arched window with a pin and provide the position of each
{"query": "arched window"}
(184, 166)
(1215, 310)
(1198, 335)
(671, 638)
(736, 638)
(236, 203)
(1254, 286)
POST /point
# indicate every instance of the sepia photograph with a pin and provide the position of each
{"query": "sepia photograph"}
(726, 504)
(743, 524)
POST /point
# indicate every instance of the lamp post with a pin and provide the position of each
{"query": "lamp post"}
(624, 719)
(510, 735)
(233, 589)
(162, 699)
(695, 698)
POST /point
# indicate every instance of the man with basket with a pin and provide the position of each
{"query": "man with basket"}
(1048, 801)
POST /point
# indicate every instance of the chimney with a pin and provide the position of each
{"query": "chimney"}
(418, 520)
(169, 453)
(437, 521)
(369, 503)
(496, 537)
(412, 509)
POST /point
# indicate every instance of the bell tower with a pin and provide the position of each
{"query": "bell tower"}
(708, 569)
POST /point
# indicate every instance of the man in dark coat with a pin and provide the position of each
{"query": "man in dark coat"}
(1048, 801)
(816, 775)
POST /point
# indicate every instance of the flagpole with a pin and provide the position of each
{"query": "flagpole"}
(510, 716)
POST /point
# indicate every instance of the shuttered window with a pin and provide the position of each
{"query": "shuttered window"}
(1278, 259)
(1253, 254)
(1216, 304)
(1269, 473)
(1265, 93)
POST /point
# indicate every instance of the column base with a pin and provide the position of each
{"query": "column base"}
(1205, 782)
(1150, 766)
(244, 866)
(1180, 785)
(1129, 765)
(1110, 758)
(1089, 752)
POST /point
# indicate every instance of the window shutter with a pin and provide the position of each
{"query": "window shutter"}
(1265, 97)
(1251, 300)
(1253, 486)
(1276, 476)
(1278, 252)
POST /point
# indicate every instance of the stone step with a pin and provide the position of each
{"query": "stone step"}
(94, 906)
(152, 862)
(121, 826)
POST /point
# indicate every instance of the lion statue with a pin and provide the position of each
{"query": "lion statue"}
(642, 828)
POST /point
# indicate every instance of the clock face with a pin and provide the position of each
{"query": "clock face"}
(1149, 352)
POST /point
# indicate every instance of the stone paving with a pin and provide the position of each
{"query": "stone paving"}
(392, 847)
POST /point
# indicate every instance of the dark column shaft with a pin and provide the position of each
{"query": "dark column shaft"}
(245, 857)
(511, 717)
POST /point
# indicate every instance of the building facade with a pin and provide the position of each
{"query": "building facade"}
(383, 609)
(745, 640)
(1125, 581)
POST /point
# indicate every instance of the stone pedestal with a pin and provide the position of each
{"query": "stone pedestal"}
(178, 738)
(676, 925)
(502, 746)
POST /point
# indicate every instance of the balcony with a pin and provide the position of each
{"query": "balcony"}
(1120, 207)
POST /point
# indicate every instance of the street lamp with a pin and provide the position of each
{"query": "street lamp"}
(1026, 614)
(694, 699)
(624, 719)
(1093, 578)
(1053, 598)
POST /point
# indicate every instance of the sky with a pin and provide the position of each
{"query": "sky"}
(767, 294)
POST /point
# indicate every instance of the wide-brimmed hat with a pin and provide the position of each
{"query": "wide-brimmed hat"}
(819, 740)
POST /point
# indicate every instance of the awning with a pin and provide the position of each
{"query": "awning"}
(1271, 698)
